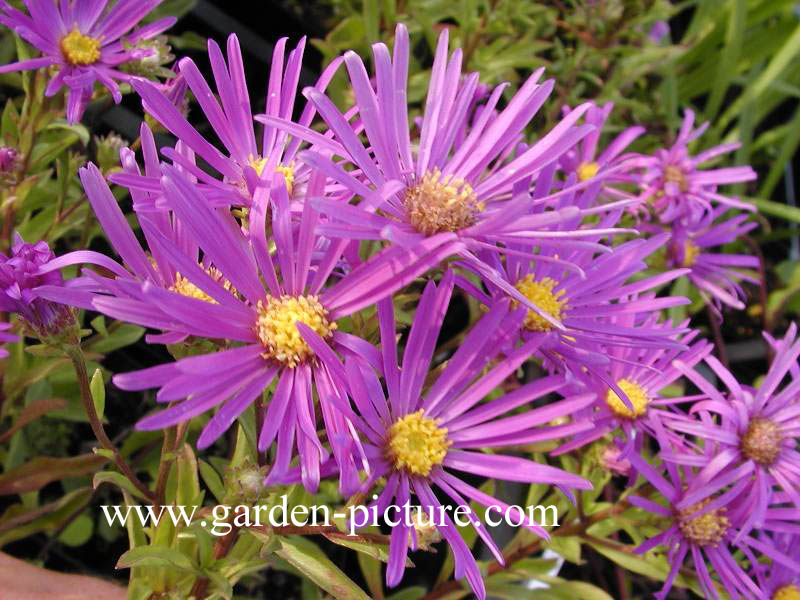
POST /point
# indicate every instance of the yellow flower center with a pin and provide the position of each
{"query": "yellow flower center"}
(277, 327)
(186, 288)
(690, 253)
(80, 49)
(541, 294)
(675, 175)
(635, 393)
(259, 163)
(704, 530)
(762, 441)
(417, 443)
(587, 170)
(787, 592)
(437, 204)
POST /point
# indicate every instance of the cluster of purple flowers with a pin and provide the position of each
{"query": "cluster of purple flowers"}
(268, 256)
(85, 42)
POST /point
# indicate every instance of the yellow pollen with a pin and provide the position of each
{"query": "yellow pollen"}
(441, 203)
(541, 294)
(587, 170)
(690, 253)
(417, 443)
(787, 592)
(288, 175)
(277, 327)
(635, 393)
(762, 441)
(704, 530)
(186, 288)
(675, 175)
(259, 163)
(80, 49)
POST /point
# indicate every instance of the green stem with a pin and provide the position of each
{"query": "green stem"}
(79, 363)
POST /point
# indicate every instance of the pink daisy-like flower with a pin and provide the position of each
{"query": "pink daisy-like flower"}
(706, 528)
(254, 299)
(85, 40)
(642, 373)
(587, 161)
(246, 162)
(778, 581)
(753, 433)
(716, 274)
(419, 440)
(429, 187)
(678, 189)
(154, 265)
(24, 273)
(581, 294)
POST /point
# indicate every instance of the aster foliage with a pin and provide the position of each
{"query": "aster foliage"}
(455, 299)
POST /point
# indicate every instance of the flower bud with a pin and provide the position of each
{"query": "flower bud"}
(21, 275)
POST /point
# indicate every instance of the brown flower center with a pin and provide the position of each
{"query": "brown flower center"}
(441, 203)
(762, 441)
(707, 529)
(676, 175)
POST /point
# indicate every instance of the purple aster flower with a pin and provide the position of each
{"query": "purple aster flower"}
(779, 581)
(21, 279)
(474, 190)
(584, 159)
(642, 373)
(246, 161)
(245, 301)
(716, 275)
(419, 440)
(8, 159)
(580, 294)
(704, 528)
(6, 337)
(659, 32)
(156, 267)
(678, 190)
(753, 433)
(86, 42)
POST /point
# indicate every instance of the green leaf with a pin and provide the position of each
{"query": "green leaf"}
(371, 549)
(98, 388)
(79, 130)
(19, 522)
(726, 67)
(777, 65)
(776, 209)
(41, 470)
(371, 570)
(188, 482)
(155, 556)
(78, 532)
(311, 562)
(119, 480)
(372, 20)
(791, 141)
(410, 593)
(651, 565)
(212, 479)
(121, 336)
(568, 547)
(580, 590)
